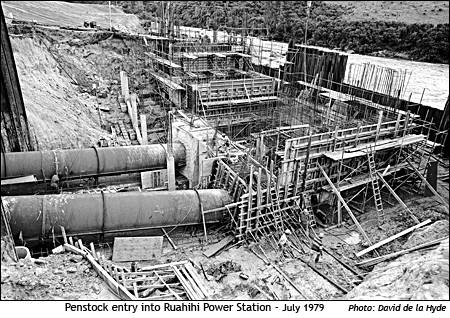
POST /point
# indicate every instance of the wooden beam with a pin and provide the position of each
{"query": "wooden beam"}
(376, 260)
(258, 197)
(328, 279)
(250, 197)
(73, 249)
(214, 249)
(93, 250)
(339, 213)
(168, 265)
(344, 204)
(445, 203)
(168, 287)
(191, 282)
(262, 292)
(169, 239)
(197, 279)
(63, 232)
(397, 197)
(391, 238)
(288, 280)
(189, 291)
(142, 248)
(144, 129)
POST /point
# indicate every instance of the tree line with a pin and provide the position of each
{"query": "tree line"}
(327, 26)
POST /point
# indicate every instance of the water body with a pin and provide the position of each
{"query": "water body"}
(434, 78)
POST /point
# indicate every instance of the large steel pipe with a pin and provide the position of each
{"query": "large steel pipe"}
(87, 162)
(84, 214)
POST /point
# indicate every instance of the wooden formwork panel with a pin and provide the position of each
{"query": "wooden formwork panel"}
(309, 150)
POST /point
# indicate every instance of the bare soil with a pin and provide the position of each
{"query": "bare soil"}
(57, 73)
(70, 14)
(56, 277)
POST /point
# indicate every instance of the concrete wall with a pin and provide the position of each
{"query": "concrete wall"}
(194, 141)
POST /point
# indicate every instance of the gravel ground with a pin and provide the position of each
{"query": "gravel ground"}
(56, 277)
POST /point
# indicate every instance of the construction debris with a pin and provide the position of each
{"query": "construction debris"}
(274, 155)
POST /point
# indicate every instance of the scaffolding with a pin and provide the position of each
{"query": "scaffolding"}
(311, 141)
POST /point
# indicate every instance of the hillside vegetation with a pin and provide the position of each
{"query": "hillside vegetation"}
(407, 29)
(429, 12)
(416, 30)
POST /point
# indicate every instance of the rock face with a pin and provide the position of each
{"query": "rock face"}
(422, 275)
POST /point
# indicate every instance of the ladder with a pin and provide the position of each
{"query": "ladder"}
(375, 186)
(307, 210)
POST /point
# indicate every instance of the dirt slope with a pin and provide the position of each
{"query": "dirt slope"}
(422, 275)
(58, 115)
(70, 14)
(57, 71)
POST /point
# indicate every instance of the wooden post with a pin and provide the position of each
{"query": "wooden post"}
(130, 112)
(336, 192)
(445, 203)
(171, 186)
(94, 254)
(432, 172)
(397, 197)
(133, 98)
(397, 124)
(258, 197)
(124, 85)
(380, 120)
(63, 232)
(250, 197)
(339, 212)
(144, 129)
(80, 244)
(169, 239)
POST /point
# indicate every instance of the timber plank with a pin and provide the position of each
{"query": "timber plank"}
(137, 248)
(214, 249)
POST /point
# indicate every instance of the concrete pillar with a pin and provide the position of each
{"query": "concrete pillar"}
(124, 85)
(144, 129)
(432, 171)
